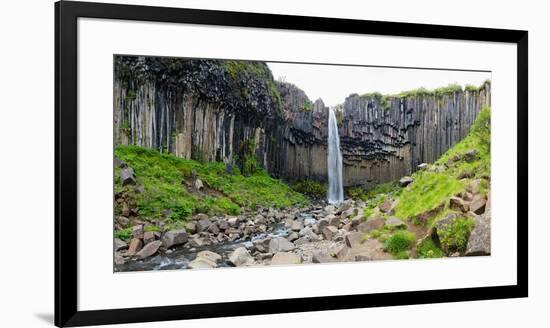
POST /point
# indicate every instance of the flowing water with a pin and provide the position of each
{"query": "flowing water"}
(335, 192)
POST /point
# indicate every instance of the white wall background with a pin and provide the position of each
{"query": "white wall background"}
(26, 165)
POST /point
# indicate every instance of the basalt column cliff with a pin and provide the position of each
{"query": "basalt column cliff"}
(235, 112)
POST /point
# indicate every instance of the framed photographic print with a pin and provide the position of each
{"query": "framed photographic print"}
(216, 163)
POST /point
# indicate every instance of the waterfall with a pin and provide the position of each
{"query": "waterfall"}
(335, 192)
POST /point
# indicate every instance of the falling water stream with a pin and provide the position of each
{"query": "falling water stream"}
(335, 192)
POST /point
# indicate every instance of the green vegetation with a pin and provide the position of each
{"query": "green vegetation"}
(400, 241)
(131, 95)
(448, 90)
(311, 188)
(165, 178)
(454, 236)
(383, 100)
(152, 228)
(428, 249)
(124, 234)
(373, 203)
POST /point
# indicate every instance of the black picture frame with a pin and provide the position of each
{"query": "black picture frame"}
(66, 15)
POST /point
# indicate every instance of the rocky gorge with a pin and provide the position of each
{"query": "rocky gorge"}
(212, 156)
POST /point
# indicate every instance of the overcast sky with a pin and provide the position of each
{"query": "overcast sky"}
(334, 83)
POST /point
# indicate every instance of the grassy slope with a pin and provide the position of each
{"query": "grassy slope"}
(164, 178)
(432, 190)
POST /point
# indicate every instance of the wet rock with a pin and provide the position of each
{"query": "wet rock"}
(127, 176)
(149, 250)
(209, 255)
(477, 205)
(213, 228)
(202, 263)
(174, 238)
(394, 223)
(458, 204)
(120, 245)
(119, 259)
(405, 181)
(308, 222)
(479, 242)
(135, 246)
(329, 232)
(280, 244)
(241, 257)
(282, 258)
(261, 245)
(197, 241)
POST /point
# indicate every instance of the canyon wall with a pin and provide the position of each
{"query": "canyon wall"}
(213, 110)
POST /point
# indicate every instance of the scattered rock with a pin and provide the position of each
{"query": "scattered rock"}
(137, 231)
(200, 216)
(233, 221)
(477, 205)
(292, 236)
(148, 236)
(119, 259)
(458, 204)
(280, 244)
(198, 184)
(374, 223)
(405, 181)
(191, 226)
(174, 238)
(475, 186)
(387, 206)
(354, 239)
(322, 257)
(422, 166)
(308, 222)
(213, 228)
(479, 242)
(241, 257)
(329, 232)
(135, 246)
(122, 220)
(203, 225)
(296, 226)
(149, 250)
(281, 258)
(120, 245)
(470, 155)
(344, 207)
(201, 263)
(261, 245)
(119, 163)
(127, 176)
(211, 256)
(394, 223)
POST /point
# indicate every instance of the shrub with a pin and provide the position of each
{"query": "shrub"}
(401, 240)
(428, 249)
(454, 236)
(311, 188)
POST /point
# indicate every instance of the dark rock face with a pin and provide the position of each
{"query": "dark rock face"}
(214, 110)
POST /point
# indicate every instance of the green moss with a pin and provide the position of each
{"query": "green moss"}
(131, 95)
(428, 249)
(454, 237)
(152, 228)
(311, 188)
(124, 234)
(448, 90)
(400, 241)
(403, 255)
(166, 195)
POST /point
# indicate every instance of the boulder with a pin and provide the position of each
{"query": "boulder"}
(241, 257)
(344, 207)
(148, 236)
(329, 232)
(470, 155)
(292, 236)
(223, 225)
(280, 244)
(200, 216)
(137, 231)
(301, 241)
(479, 242)
(405, 181)
(475, 186)
(374, 223)
(296, 226)
(191, 226)
(198, 184)
(387, 206)
(354, 239)
(210, 256)
(422, 166)
(174, 238)
(122, 220)
(119, 259)
(458, 204)
(308, 222)
(394, 223)
(202, 263)
(149, 250)
(120, 245)
(127, 176)
(135, 246)
(322, 257)
(213, 228)
(119, 163)
(322, 224)
(477, 205)
(233, 221)
(261, 245)
(203, 225)
(282, 258)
